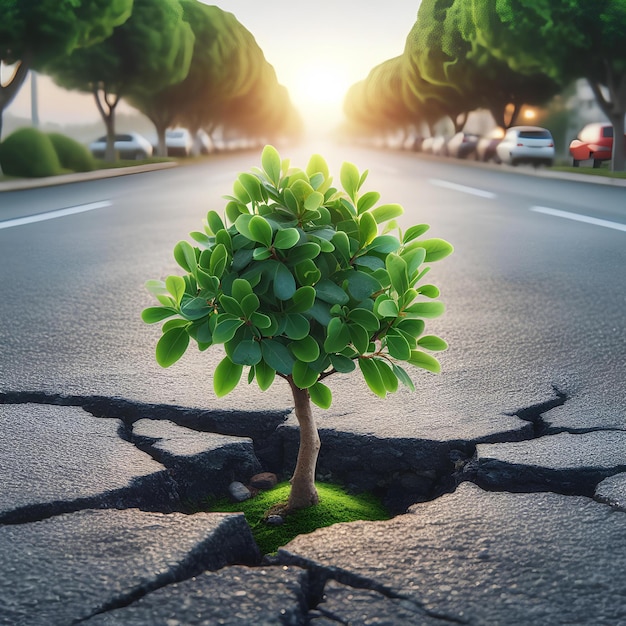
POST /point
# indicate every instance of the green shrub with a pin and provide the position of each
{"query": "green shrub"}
(72, 155)
(334, 506)
(29, 153)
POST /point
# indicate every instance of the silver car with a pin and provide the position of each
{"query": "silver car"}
(526, 144)
(126, 146)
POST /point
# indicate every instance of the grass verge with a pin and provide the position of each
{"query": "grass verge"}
(335, 505)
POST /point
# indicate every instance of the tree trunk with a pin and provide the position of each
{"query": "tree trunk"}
(303, 492)
(9, 90)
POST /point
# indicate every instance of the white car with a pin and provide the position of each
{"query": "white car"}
(526, 144)
(178, 142)
(126, 146)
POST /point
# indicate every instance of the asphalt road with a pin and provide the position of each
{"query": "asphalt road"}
(535, 299)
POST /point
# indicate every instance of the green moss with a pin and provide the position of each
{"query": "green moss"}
(335, 506)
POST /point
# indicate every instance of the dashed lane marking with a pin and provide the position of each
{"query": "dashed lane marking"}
(50, 215)
(579, 218)
(462, 188)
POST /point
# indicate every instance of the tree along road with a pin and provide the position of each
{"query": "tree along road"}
(535, 294)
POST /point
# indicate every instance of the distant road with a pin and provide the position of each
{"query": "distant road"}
(535, 292)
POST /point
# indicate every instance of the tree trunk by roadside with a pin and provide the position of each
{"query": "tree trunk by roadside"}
(106, 104)
(303, 492)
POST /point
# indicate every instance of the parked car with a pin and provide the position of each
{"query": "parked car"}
(526, 144)
(595, 141)
(178, 142)
(126, 146)
(440, 145)
(427, 145)
(487, 144)
(462, 145)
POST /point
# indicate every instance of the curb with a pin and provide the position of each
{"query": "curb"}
(62, 179)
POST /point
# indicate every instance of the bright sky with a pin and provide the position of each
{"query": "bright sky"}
(318, 50)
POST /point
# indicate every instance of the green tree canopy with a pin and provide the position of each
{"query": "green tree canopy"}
(150, 51)
(34, 34)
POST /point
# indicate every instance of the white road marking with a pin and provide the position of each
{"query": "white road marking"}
(50, 215)
(471, 190)
(579, 218)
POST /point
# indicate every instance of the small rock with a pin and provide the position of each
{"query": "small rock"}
(274, 520)
(238, 491)
(264, 480)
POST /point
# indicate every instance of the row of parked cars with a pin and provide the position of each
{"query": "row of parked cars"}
(523, 144)
(178, 141)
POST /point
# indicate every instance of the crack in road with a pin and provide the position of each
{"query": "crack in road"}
(452, 462)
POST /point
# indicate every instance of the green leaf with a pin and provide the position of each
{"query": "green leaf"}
(430, 291)
(342, 364)
(368, 229)
(226, 377)
(372, 377)
(303, 252)
(314, 201)
(302, 300)
(328, 291)
(249, 305)
(296, 326)
(219, 257)
(172, 346)
(361, 285)
(277, 356)
(260, 230)
(215, 222)
(412, 327)
(397, 345)
(234, 210)
(317, 164)
(225, 329)
(360, 337)
(241, 288)
(432, 342)
(264, 375)
(194, 308)
(270, 160)
(426, 310)
(436, 249)
(397, 269)
(230, 305)
(403, 377)
(303, 375)
(387, 212)
(321, 395)
(252, 185)
(367, 201)
(413, 259)
(425, 361)
(306, 349)
(247, 352)
(284, 283)
(388, 377)
(349, 176)
(261, 321)
(342, 244)
(307, 273)
(286, 238)
(261, 254)
(384, 244)
(176, 286)
(242, 224)
(387, 308)
(185, 256)
(154, 314)
(364, 318)
(414, 232)
(337, 336)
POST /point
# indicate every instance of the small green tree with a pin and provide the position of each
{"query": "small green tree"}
(299, 283)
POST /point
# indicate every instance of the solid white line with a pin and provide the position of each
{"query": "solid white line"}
(471, 190)
(579, 218)
(40, 217)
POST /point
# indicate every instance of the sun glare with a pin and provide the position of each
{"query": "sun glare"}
(322, 83)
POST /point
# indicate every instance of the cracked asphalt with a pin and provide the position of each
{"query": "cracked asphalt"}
(506, 475)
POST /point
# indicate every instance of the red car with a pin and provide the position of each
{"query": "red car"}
(595, 141)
